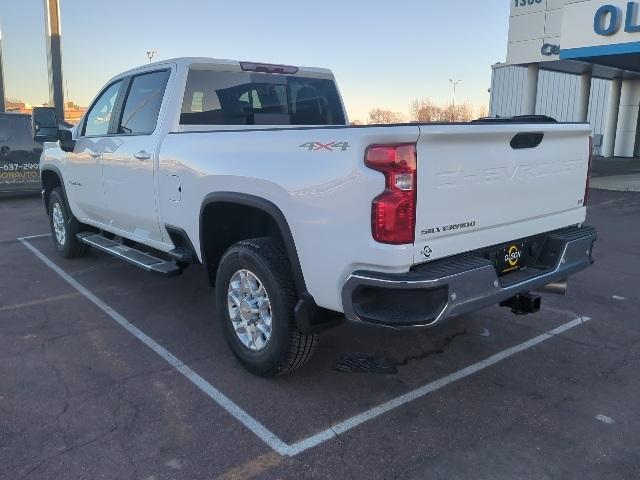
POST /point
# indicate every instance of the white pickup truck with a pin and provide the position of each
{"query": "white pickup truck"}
(302, 220)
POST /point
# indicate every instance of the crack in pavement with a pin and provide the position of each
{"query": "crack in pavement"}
(440, 348)
(69, 449)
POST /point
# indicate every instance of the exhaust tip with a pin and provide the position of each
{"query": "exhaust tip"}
(557, 288)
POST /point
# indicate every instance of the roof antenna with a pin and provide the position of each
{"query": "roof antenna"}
(151, 54)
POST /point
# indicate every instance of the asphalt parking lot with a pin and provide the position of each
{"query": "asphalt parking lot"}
(109, 372)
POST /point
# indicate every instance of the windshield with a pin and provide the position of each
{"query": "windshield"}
(246, 98)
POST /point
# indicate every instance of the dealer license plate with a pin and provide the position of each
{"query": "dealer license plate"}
(511, 258)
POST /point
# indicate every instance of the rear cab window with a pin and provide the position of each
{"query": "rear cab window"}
(250, 98)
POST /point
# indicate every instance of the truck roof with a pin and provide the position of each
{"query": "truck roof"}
(203, 62)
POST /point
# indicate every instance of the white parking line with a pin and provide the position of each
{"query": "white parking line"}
(605, 419)
(247, 420)
(264, 434)
(34, 236)
(41, 301)
(352, 422)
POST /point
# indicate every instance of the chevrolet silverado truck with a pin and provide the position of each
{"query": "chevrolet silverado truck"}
(301, 220)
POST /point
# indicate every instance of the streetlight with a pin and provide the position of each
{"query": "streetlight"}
(151, 54)
(454, 84)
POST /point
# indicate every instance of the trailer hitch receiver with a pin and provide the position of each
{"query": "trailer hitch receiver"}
(523, 304)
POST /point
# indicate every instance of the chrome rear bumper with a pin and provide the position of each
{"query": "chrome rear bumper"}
(454, 286)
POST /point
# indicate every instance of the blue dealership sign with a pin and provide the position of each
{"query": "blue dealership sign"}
(608, 19)
(616, 30)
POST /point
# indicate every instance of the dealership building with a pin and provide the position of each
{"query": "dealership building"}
(575, 60)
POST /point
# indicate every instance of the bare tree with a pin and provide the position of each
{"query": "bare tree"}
(464, 113)
(424, 110)
(457, 113)
(483, 111)
(379, 116)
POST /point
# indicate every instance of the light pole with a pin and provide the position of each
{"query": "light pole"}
(151, 54)
(454, 84)
(54, 55)
(2, 104)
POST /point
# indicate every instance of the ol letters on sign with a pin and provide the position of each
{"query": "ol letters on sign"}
(608, 19)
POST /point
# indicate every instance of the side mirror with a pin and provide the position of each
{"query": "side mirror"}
(45, 124)
(46, 128)
(67, 143)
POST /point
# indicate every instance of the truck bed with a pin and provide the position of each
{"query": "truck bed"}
(473, 188)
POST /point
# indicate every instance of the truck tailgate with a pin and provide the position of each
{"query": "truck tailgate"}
(475, 189)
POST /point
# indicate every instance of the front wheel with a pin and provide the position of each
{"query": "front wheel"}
(64, 226)
(255, 300)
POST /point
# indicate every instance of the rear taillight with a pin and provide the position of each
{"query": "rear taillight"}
(393, 213)
(585, 201)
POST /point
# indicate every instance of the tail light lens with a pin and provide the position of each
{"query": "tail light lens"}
(586, 187)
(393, 213)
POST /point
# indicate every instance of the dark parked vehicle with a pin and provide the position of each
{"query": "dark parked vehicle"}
(19, 154)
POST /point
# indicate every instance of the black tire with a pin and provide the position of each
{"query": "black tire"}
(287, 349)
(70, 247)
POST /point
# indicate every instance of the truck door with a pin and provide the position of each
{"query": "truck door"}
(128, 162)
(18, 165)
(83, 175)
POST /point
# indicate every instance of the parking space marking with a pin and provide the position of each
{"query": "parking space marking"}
(41, 301)
(31, 237)
(253, 468)
(352, 422)
(216, 395)
(605, 419)
(264, 434)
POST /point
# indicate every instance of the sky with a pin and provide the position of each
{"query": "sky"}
(383, 53)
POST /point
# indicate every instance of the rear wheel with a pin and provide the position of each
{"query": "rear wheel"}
(255, 301)
(64, 226)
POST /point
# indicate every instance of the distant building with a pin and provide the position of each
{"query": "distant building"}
(72, 112)
(575, 60)
(17, 107)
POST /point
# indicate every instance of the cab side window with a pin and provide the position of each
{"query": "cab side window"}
(143, 102)
(99, 116)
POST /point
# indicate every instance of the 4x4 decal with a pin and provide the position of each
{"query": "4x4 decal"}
(331, 146)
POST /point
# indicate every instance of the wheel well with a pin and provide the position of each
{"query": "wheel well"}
(50, 180)
(225, 223)
(228, 217)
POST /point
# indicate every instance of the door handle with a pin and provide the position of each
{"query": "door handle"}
(142, 155)
(94, 154)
